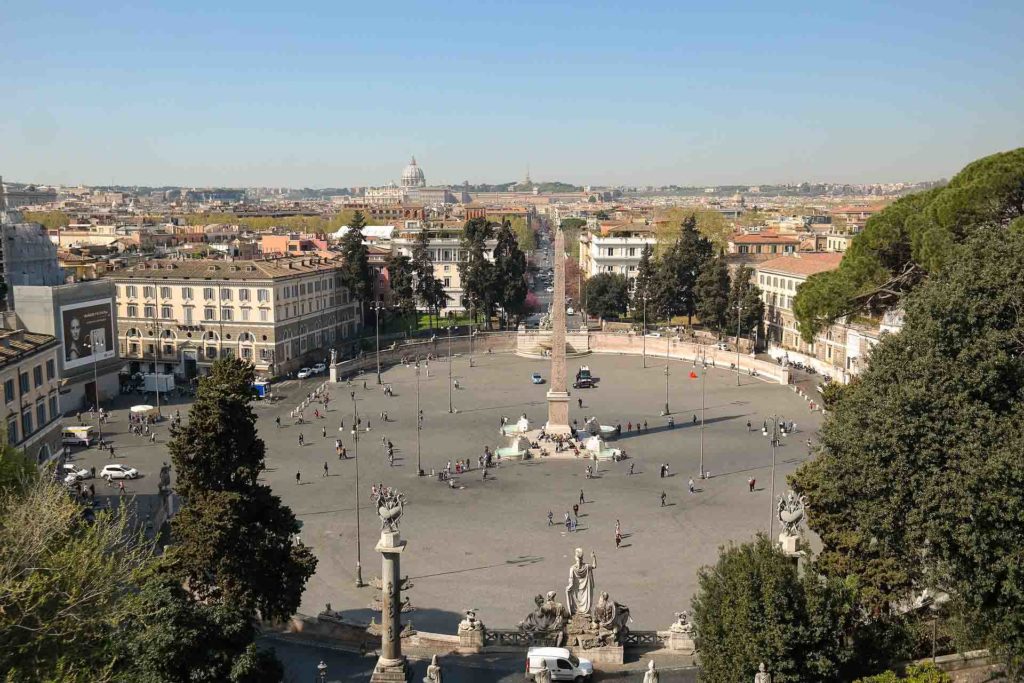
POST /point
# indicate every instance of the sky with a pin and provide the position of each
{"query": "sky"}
(337, 94)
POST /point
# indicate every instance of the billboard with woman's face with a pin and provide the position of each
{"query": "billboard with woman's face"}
(88, 329)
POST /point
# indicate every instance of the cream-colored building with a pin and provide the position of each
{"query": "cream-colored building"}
(178, 316)
(446, 251)
(30, 379)
(615, 248)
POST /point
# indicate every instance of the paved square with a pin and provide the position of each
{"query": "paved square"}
(488, 544)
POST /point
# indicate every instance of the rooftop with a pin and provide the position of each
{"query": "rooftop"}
(208, 269)
(803, 263)
(15, 344)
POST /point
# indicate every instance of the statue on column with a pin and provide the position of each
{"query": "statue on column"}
(652, 675)
(433, 672)
(762, 675)
(580, 591)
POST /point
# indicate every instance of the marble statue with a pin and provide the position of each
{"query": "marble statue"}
(612, 620)
(580, 591)
(762, 676)
(334, 357)
(682, 624)
(471, 623)
(651, 675)
(547, 620)
(557, 612)
(433, 672)
(390, 504)
(535, 620)
(791, 512)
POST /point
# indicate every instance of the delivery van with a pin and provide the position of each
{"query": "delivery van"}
(563, 665)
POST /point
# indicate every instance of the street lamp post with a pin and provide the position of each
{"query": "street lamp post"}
(355, 455)
(450, 409)
(703, 405)
(739, 316)
(321, 672)
(771, 501)
(96, 346)
(645, 332)
(376, 307)
(419, 420)
(668, 342)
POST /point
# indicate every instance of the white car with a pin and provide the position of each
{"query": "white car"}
(304, 373)
(549, 290)
(119, 472)
(319, 369)
(570, 311)
(76, 472)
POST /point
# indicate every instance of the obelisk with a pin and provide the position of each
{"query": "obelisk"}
(558, 395)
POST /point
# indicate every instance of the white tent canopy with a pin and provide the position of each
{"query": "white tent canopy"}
(371, 232)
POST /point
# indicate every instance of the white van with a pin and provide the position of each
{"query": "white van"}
(78, 435)
(563, 665)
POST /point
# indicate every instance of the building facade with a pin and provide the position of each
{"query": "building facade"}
(28, 373)
(281, 314)
(616, 248)
(446, 250)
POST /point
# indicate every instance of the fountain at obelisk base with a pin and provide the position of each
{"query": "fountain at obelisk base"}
(558, 395)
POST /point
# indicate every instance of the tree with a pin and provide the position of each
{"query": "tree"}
(355, 273)
(476, 272)
(678, 269)
(913, 238)
(712, 293)
(17, 471)
(744, 291)
(930, 434)
(753, 607)
(62, 583)
(572, 227)
(607, 295)
(509, 273)
(425, 285)
(711, 224)
(401, 277)
(916, 673)
(643, 285)
(51, 220)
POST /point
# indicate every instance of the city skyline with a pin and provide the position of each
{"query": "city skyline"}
(255, 95)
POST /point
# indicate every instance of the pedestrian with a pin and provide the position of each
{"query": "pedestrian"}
(618, 534)
(120, 487)
(751, 482)
(631, 465)
(364, 384)
(695, 418)
(662, 471)
(341, 425)
(748, 425)
(325, 468)
(344, 453)
(324, 431)
(277, 421)
(575, 510)
(629, 426)
(152, 437)
(689, 485)
(298, 477)
(581, 494)
(580, 401)
(302, 441)
(666, 469)
(645, 425)
(568, 522)
(550, 518)
(663, 499)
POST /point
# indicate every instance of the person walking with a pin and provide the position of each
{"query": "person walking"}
(324, 431)
(344, 453)
(751, 483)
(631, 466)
(120, 487)
(580, 402)
(551, 517)
(277, 421)
(581, 497)
(663, 499)
(575, 510)
(690, 485)
(695, 418)
(325, 468)
(298, 477)
(748, 425)
(618, 534)
(302, 441)
(645, 425)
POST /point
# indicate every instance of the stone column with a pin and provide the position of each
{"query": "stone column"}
(558, 395)
(391, 665)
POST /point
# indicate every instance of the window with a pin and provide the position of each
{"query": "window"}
(211, 352)
(133, 348)
(225, 293)
(150, 348)
(263, 315)
(149, 311)
(131, 290)
(243, 295)
(186, 293)
(41, 413)
(225, 314)
(53, 407)
(165, 312)
(208, 293)
(37, 375)
(632, 251)
(245, 314)
(12, 430)
(26, 423)
(209, 313)
(263, 295)
(265, 354)
(447, 269)
(149, 291)
(169, 348)
(165, 292)
(133, 311)
(447, 282)
(188, 315)
(611, 251)
(23, 381)
(8, 391)
(246, 353)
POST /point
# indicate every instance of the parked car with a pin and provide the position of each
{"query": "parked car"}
(549, 290)
(304, 373)
(570, 311)
(118, 472)
(563, 665)
(722, 346)
(76, 472)
(536, 378)
(319, 369)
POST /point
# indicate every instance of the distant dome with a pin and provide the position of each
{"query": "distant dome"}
(413, 176)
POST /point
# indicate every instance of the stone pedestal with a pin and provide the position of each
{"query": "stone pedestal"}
(471, 640)
(606, 654)
(391, 665)
(788, 544)
(558, 412)
(682, 643)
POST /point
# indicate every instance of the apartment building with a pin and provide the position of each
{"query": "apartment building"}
(28, 373)
(446, 250)
(614, 248)
(280, 313)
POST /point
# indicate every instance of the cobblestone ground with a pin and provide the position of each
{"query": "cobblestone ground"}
(487, 544)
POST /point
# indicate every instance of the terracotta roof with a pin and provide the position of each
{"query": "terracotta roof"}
(214, 269)
(803, 263)
(764, 238)
(15, 344)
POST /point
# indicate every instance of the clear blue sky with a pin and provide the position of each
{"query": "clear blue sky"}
(338, 93)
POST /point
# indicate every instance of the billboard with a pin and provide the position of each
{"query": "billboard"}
(88, 332)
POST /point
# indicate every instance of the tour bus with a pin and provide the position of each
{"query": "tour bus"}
(78, 435)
